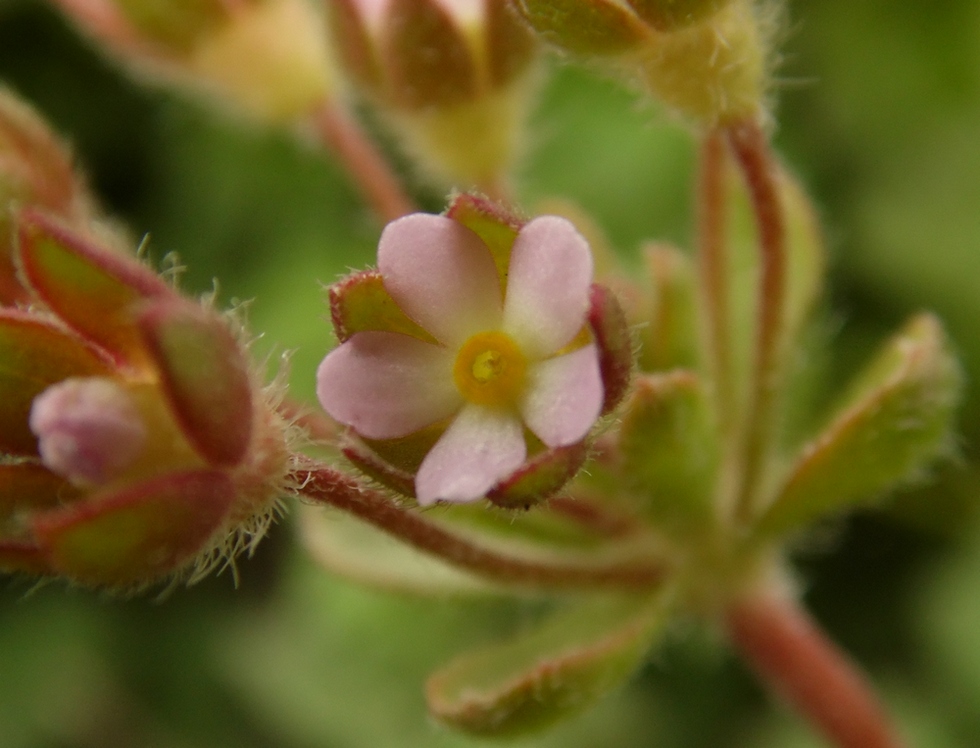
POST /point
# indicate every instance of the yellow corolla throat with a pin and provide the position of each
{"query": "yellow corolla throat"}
(490, 370)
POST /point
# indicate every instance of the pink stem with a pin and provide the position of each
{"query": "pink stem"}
(362, 160)
(327, 486)
(789, 652)
(751, 149)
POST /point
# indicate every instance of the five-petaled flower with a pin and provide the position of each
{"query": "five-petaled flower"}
(501, 354)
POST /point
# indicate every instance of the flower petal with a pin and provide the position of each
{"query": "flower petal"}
(548, 285)
(385, 385)
(480, 448)
(564, 397)
(442, 275)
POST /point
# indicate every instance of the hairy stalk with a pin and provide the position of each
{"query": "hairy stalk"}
(713, 267)
(363, 161)
(327, 486)
(788, 651)
(751, 149)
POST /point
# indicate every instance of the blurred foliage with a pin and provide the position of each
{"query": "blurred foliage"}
(879, 113)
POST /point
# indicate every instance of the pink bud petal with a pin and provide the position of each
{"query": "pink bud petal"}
(565, 397)
(442, 275)
(548, 285)
(88, 430)
(479, 449)
(385, 385)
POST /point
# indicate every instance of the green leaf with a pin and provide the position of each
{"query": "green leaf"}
(668, 447)
(669, 337)
(356, 550)
(553, 671)
(897, 417)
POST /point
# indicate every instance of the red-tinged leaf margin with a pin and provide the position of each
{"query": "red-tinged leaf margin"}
(29, 485)
(360, 302)
(35, 354)
(139, 534)
(612, 335)
(204, 375)
(548, 673)
(22, 556)
(540, 477)
(494, 223)
(91, 288)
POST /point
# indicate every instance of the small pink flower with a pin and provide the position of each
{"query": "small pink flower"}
(498, 361)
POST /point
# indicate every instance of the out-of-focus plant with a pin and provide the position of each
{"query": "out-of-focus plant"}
(616, 446)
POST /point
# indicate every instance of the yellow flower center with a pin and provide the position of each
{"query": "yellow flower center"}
(490, 370)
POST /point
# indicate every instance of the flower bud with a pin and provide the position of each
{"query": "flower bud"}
(88, 430)
(266, 57)
(452, 76)
(139, 405)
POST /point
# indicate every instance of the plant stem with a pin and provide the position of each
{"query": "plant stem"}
(788, 651)
(327, 486)
(363, 162)
(751, 149)
(713, 269)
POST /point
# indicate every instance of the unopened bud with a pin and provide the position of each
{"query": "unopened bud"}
(88, 430)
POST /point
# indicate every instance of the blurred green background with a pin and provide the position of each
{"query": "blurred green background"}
(879, 112)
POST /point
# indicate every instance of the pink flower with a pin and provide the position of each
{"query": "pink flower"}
(490, 361)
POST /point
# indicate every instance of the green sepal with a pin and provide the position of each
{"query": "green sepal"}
(540, 477)
(669, 336)
(897, 416)
(614, 342)
(360, 302)
(493, 223)
(355, 550)
(553, 671)
(585, 27)
(91, 288)
(138, 534)
(669, 15)
(34, 355)
(383, 472)
(427, 57)
(29, 485)
(668, 448)
(204, 376)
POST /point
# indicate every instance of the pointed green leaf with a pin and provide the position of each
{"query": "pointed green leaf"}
(358, 551)
(138, 534)
(897, 417)
(669, 337)
(93, 289)
(361, 302)
(493, 223)
(35, 354)
(553, 671)
(668, 447)
(204, 375)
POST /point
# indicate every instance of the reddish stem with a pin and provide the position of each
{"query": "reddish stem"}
(362, 160)
(713, 267)
(751, 149)
(788, 651)
(327, 486)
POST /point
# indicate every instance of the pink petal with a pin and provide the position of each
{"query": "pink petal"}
(385, 385)
(480, 448)
(564, 397)
(442, 275)
(548, 285)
